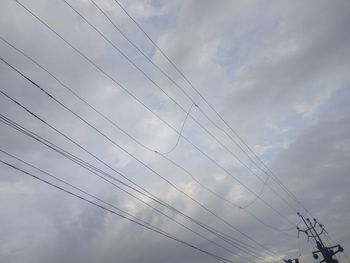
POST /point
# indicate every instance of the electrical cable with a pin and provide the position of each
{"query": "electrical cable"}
(189, 97)
(93, 170)
(138, 142)
(131, 155)
(214, 110)
(109, 204)
(159, 211)
(153, 198)
(180, 133)
(267, 178)
(227, 200)
(138, 222)
(155, 114)
(181, 107)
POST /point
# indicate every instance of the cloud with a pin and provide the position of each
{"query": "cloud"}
(277, 71)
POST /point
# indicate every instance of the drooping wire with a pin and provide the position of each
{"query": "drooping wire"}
(197, 202)
(220, 234)
(227, 200)
(264, 183)
(155, 114)
(78, 97)
(94, 108)
(229, 240)
(138, 142)
(157, 210)
(34, 115)
(138, 160)
(150, 196)
(270, 172)
(180, 133)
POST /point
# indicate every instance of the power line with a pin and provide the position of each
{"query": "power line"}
(113, 142)
(134, 139)
(227, 200)
(72, 186)
(93, 170)
(276, 179)
(267, 173)
(134, 157)
(180, 133)
(111, 205)
(155, 114)
(137, 159)
(219, 196)
(88, 167)
(84, 165)
(74, 159)
(181, 107)
(186, 94)
(138, 221)
(141, 52)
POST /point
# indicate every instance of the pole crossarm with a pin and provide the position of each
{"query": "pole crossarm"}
(314, 230)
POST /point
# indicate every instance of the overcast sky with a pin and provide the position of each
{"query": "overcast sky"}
(276, 71)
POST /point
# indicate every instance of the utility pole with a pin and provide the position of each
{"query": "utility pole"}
(311, 232)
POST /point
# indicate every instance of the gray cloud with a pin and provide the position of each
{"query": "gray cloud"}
(277, 71)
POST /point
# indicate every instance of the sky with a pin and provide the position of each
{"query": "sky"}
(275, 71)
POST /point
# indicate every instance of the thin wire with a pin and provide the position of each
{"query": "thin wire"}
(141, 52)
(74, 159)
(174, 101)
(185, 93)
(157, 210)
(87, 167)
(225, 199)
(71, 185)
(69, 156)
(259, 220)
(180, 190)
(138, 160)
(111, 78)
(258, 195)
(138, 222)
(153, 197)
(216, 112)
(109, 204)
(102, 71)
(77, 95)
(180, 133)
(133, 138)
